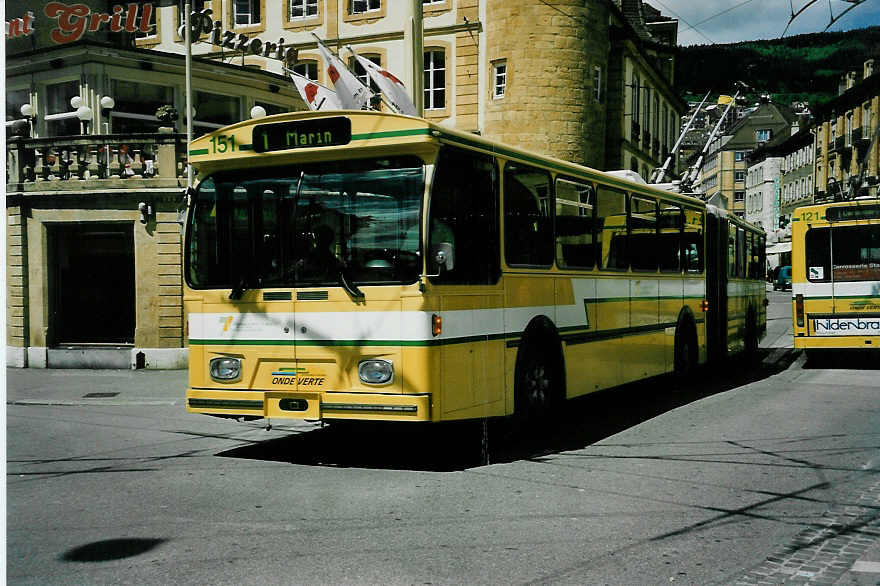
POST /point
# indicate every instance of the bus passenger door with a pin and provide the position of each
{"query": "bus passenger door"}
(716, 286)
(647, 344)
(472, 379)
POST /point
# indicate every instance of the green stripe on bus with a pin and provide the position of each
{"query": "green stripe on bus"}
(867, 298)
(364, 136)
(391, 134)
(349, 343)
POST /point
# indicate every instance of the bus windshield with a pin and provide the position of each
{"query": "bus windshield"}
(307, 225)
(855, 251)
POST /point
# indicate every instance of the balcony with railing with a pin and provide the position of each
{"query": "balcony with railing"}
(98, 161)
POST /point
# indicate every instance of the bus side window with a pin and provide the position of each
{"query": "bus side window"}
(692, 242)
(611, 238)
(463, 212)
(731, 250)
(669, 245)
(740, 252)
(643, 234)
(817, 254)
(528, 233)
(574, 225)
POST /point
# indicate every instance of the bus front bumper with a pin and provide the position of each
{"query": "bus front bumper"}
(313, 406)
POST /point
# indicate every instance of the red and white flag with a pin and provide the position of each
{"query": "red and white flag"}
(352, 93)
(394, 90)
(317, 96)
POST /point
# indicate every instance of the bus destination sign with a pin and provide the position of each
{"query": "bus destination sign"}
(282, 136)
(842, 214)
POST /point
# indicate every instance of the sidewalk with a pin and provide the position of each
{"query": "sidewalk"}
(865, 571)
(41, 386)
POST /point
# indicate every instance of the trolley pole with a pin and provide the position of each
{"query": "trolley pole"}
(187, 39)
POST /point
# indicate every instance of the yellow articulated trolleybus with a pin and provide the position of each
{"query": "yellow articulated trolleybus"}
(835, 275)
(371, 266)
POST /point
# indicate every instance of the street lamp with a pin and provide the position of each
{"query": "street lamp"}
(258, 112)
(84, 113)
(27, 110)
(107, 103)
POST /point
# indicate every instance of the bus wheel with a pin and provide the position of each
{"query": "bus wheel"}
(537, 385)
(685, 353)
(751, 337)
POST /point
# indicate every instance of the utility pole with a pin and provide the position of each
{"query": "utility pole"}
(413, 42)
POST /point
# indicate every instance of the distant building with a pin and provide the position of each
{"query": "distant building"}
(724, 168)
(846, 161)
(797, 173)
(762, 188)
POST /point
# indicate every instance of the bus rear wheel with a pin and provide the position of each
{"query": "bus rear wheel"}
(685, 354)
(751, 337)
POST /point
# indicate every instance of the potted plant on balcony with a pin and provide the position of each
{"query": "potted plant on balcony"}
(167, 115)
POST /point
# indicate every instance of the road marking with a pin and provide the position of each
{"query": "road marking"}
(866, 567)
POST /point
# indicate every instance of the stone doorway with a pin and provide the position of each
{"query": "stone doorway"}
(91, 283)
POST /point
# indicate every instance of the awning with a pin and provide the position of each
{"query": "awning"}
(779, 247)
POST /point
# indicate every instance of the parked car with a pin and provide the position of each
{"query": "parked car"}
(783, 279)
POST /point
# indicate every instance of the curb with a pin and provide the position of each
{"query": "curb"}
(90, 403)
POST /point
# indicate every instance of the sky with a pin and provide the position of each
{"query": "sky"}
(703, 22)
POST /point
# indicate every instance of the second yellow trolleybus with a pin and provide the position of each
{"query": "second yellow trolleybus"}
(835, 275)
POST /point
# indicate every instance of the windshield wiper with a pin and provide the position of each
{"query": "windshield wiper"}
(350, 288)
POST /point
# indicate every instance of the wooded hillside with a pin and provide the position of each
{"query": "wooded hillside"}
(799, 68)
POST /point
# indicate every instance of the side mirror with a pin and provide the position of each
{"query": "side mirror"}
(443, 257)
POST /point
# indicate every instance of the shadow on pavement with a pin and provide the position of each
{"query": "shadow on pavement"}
(110, 549)
(458, 446)
(844, 359)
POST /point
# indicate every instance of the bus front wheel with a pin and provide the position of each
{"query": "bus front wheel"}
(538, 384)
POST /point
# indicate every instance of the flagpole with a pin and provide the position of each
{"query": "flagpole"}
(380, 94)
(189, 123)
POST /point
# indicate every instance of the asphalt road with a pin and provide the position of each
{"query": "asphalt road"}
(767, 473)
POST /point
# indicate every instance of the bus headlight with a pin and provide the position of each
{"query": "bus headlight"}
(225, 369)
(375, 371)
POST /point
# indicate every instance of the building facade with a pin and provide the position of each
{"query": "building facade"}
(95, 188)
(762, 189)
(847, 151)
(796, 174)
(584, 81)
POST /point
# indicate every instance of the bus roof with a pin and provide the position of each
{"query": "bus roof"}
(279, 136)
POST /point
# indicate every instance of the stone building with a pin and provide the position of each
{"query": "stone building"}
(847, 161)
(93, 242)
(560, 78)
